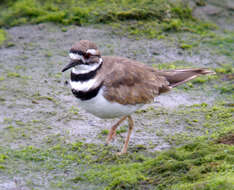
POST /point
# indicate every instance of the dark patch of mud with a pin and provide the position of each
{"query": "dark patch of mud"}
(227, 139)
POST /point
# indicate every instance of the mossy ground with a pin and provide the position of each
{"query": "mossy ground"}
(48, 142)
(2, 36)
(139, 18)
(202, 164)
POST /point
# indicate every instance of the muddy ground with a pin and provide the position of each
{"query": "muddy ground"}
(34, 92)
(37, 108)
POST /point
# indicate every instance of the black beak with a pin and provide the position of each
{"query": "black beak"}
(71, 64)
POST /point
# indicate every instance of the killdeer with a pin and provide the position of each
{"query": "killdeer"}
(110, 86)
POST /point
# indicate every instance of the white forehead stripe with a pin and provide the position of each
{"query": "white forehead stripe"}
(76, 56)
(92, 51)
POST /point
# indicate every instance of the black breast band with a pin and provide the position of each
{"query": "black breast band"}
(86, 95)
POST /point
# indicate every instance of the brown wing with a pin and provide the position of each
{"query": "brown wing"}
(130, 82)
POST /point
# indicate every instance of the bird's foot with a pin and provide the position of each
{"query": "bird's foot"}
(121, 153)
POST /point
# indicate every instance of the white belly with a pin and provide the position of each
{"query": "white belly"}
(102, 108)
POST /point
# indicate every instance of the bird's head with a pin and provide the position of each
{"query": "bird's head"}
(84, 57)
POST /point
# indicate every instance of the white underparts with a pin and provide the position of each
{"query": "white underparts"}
(101, 107)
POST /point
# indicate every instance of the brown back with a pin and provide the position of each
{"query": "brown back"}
(130, 82)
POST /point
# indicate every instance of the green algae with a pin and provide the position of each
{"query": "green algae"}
(13, 75)
(104, 132)
(202, 162)
(2, 36)
(194, 165)
(222, 44)
(139, 18)
(79, 12)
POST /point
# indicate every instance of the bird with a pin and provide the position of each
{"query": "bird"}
(116, 87)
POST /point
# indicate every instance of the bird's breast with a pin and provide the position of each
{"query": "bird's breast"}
(101, 107)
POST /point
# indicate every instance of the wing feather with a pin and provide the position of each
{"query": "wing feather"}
(130, 82)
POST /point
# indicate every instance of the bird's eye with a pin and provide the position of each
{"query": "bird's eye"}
(87, 55)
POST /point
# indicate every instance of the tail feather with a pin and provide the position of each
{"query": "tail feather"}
(181, 76)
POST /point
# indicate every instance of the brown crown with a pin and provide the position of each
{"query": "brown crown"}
(83, 46)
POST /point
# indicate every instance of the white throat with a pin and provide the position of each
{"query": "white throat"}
(82, 69)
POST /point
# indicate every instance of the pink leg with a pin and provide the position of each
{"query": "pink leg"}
(130, 128)
(112, 132)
